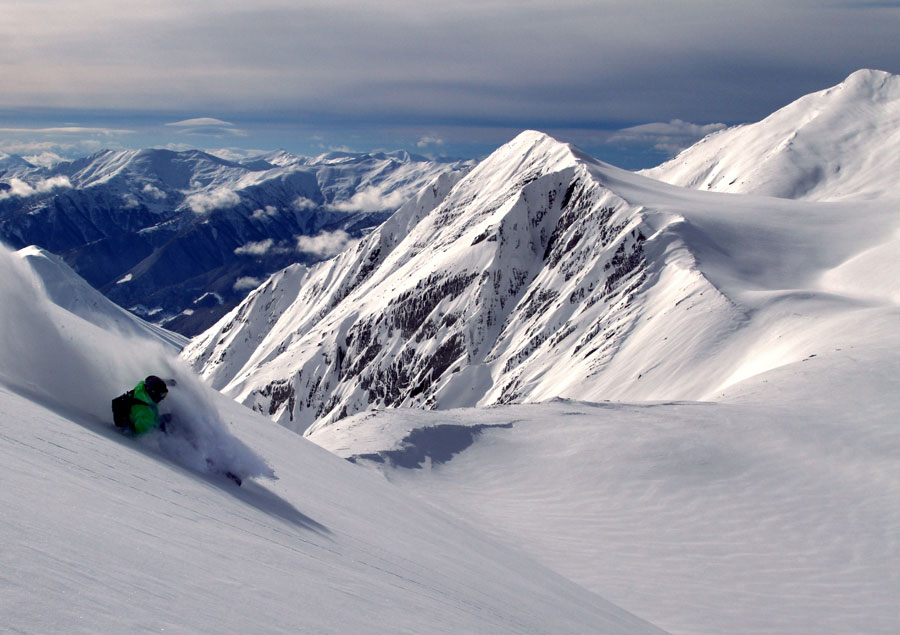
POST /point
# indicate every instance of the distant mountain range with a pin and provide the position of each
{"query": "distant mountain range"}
(180, 237)
(545, 273)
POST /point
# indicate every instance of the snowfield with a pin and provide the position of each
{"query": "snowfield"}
(103, 533)
(774, 510)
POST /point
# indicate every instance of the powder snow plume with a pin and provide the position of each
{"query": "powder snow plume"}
(75, 368)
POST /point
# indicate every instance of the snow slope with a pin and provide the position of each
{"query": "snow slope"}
(104, 533)
(67, 289)
(774, 510)
(837, 144)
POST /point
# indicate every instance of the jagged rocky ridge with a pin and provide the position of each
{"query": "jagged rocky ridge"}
(516, 282)
(180, 237)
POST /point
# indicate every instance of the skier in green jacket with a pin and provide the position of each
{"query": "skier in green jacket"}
(137, 409)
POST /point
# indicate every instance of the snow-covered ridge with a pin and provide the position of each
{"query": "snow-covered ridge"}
(837, 144)
(481, 298)
(68, 290)
(546, 273)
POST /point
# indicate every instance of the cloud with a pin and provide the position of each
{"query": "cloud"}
(44, 159)
(200, 121)
(669, 137)
(207, 126)
(269, 212)
(371, 199)
(325, 244)
(258, 248)
(219, 198)
(428, 140)
(22, 189)
(64, 147)
(70, 130)
(322, 245)
(302, 203)
(246, 282)
(153, 191)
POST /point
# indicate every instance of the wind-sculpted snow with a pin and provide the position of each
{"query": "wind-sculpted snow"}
(68, 290)
(52, 354)
(837, 144)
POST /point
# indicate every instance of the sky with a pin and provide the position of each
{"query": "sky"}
(629, 81)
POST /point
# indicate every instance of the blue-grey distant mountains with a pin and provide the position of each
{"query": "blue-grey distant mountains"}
(181, 237)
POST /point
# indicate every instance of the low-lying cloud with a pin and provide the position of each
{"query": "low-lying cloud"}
(153, 191)
(246, 282)
(270, 211)
(18, 187)
(255, 248)
(429, 140)
(219, 198)
(372, 199)
(302, 203)
(324, 245)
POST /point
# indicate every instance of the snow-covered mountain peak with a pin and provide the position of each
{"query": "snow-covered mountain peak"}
(838, 143)
(448, 302)
(13, 162)
(876, 84)
(541, 273)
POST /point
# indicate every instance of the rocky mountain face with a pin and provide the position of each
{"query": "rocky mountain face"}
(180, 237)
(516, 282)
(836, 144)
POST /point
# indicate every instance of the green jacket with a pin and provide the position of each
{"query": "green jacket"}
(144, 415)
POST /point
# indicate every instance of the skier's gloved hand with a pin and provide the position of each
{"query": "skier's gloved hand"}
(164, 422)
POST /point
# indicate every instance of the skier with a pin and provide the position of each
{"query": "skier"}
(137, 411)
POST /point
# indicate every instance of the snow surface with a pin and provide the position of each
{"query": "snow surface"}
(68, 290)
(837, 144)
(774, 510)
(107, 533)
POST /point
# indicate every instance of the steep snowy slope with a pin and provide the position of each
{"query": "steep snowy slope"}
(70, 291)
(545, 273)
(12, 166)
(104, 533)
(182, 236)
(840, 143)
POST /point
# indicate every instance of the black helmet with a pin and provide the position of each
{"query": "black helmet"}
(156, 388)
